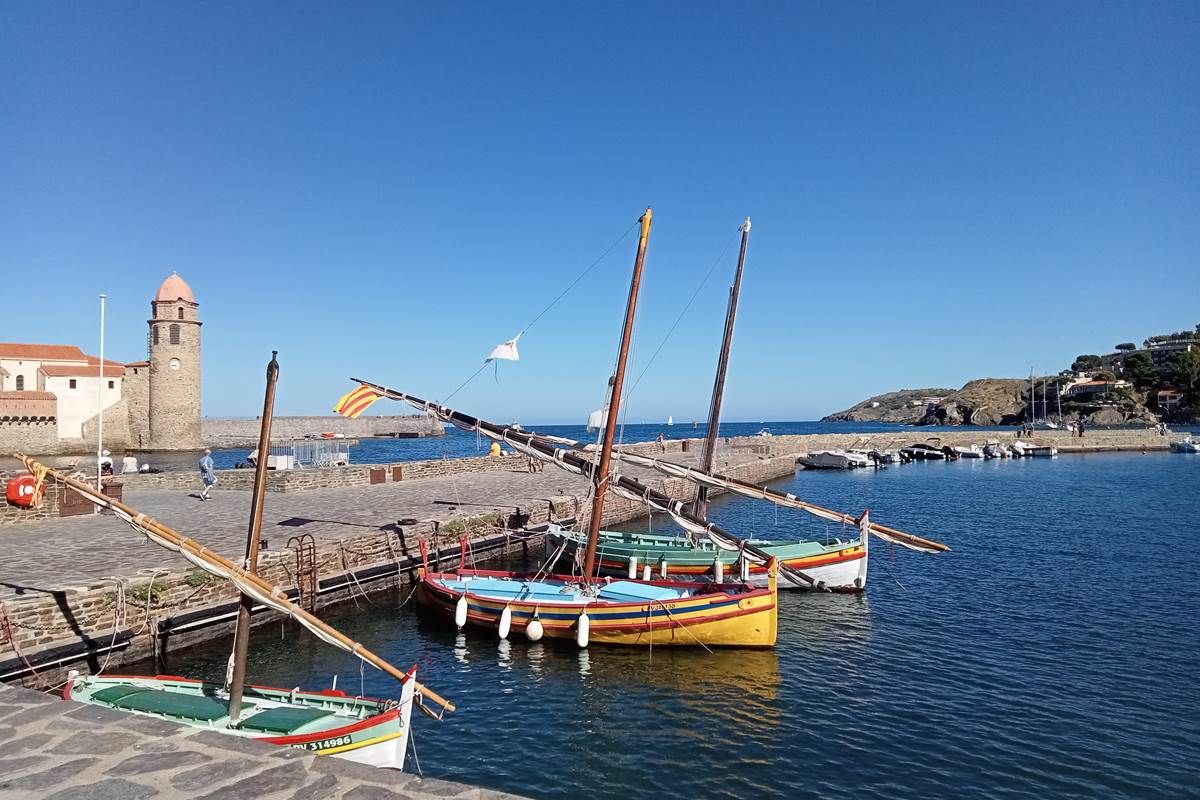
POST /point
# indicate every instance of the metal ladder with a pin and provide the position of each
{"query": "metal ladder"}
(306, 568)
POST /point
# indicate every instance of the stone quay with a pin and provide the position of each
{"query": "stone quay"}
(70, 751)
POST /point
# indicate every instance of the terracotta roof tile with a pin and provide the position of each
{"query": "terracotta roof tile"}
(27, 396)
(41, 352)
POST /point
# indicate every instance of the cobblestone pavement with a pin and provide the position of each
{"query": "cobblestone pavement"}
(55, 750)
(75, 551)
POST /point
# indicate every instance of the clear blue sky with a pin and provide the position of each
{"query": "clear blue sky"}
(939, 191)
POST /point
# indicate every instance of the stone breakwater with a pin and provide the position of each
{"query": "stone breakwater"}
(76, 593)
(236, 432)
(68, 751)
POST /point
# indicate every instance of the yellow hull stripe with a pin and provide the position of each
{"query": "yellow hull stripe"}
(364, 743)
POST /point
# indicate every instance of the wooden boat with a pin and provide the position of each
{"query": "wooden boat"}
(360, 729)
(620, 612)
(368, 731)
(838, 564)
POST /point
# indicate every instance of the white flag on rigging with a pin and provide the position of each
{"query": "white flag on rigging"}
(506, 351)
(596, 419)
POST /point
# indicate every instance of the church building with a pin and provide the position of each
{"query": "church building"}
(54, 392)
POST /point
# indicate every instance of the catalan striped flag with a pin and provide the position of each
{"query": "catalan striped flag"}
(356, 401)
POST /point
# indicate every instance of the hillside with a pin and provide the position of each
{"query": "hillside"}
(985, 401)
(905, 406)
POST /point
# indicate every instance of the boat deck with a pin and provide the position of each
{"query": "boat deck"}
(552, 591)
(203, 706)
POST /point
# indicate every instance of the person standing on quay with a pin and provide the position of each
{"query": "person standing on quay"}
(208, 473)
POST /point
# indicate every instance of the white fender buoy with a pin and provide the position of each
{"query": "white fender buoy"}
(460, 611)
(505, 622)
(583, 629)
(719, 570)
(745, 570)
(633, 568)
(662, 567)
(533, 631)
(646, 572)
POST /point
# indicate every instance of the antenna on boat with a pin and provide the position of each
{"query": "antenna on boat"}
(610, 425)
(241, 636)
(700, 506)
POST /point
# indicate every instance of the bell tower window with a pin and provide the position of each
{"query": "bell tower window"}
(20, 383)
(154, 334)
(180, 312)
(174, 334)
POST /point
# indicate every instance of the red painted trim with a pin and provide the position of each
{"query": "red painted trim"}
(447, 607)
(430, 580)
(180, 679)
(304, 738)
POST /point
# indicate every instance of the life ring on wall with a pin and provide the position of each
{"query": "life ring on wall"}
(20, 491)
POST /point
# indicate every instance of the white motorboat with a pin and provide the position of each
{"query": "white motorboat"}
(974, 451)
(1186, 445)
(1041, 451)
(834, 459)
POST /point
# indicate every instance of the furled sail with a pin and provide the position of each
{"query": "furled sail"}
(251, 584)
(673, 470)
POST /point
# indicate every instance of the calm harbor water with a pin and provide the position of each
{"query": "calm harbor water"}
(1053, 653)
(460, 444)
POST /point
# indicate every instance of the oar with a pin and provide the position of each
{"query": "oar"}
(203, 554)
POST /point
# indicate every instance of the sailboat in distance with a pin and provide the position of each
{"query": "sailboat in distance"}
(670, 420)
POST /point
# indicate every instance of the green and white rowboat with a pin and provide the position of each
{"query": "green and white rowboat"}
(361, 729)
(833, 564)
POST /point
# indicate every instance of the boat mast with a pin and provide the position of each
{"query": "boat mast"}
(241, 637)
(700, 506)
(610, 426)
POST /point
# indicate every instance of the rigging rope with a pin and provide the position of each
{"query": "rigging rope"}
(554, 302)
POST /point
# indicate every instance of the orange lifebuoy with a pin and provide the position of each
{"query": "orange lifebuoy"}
(20, 491)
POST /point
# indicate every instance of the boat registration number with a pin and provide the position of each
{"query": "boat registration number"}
(325, 744)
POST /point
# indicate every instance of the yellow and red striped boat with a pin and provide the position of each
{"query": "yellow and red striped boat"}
(625, 612)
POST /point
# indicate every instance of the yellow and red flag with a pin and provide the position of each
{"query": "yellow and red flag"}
(356, 401)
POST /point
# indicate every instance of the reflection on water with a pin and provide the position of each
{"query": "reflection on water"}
(1036, 659)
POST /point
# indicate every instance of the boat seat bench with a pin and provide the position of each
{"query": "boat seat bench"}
(283, 719)
(167, 704)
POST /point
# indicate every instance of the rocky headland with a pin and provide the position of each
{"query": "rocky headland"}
(990, 401)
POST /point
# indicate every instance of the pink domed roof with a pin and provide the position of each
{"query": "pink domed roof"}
(174, 288)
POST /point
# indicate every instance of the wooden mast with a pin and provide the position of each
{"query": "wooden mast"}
(241, 636)
(610, 426)
(700, 506)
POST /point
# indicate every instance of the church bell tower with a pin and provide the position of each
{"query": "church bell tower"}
(174, 396)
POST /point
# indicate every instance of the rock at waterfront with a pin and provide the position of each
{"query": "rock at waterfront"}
(906, 406)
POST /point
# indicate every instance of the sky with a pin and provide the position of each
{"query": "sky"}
(939, 192)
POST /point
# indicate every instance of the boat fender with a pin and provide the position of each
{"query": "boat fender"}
(646, 572)
(505, 622)
(633, 573)
(745, 569)
(718, 570)
(583, 629)
(533, 631)
(662, 566)
(460, 611)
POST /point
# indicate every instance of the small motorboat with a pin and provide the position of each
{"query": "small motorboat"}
(1041, 451)
(834, 459)
(974, 451)
(1186, 445)
(764, 433)
(922, 452)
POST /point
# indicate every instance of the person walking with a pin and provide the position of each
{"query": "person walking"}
(208, 474)
(1080, 429)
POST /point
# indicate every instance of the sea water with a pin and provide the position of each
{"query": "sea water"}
(1053, 653)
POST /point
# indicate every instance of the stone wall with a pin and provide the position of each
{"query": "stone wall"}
(227, 432)
(30, 437)
(135, 391)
